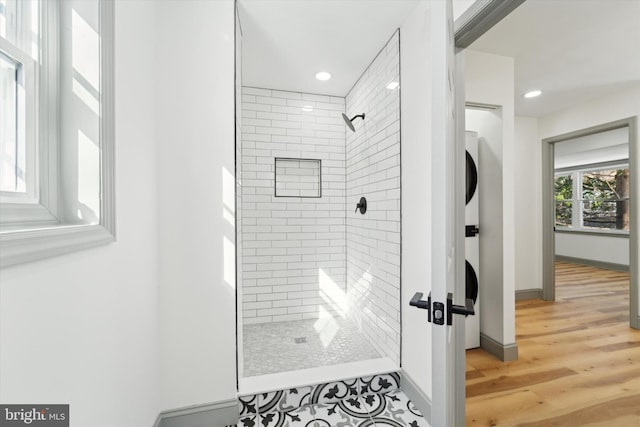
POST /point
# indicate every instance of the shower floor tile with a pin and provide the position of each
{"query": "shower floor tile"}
(286, 346)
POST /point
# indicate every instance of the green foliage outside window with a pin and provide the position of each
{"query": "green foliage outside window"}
(603, 199)
(564, 200)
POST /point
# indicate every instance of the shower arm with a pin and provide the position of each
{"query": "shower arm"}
(359, 115)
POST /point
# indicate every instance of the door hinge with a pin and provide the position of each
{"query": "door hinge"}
(471, 230)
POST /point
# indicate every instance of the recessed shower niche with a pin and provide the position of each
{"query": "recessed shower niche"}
(318, 284)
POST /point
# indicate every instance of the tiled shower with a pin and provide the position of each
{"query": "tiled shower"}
(318, 283)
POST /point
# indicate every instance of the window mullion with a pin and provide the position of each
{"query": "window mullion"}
(576, 209)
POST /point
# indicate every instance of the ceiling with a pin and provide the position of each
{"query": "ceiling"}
(286, 42)
(573, 51)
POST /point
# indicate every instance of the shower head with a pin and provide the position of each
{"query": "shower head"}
(349, 121)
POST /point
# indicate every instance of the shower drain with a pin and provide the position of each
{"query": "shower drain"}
(300, 340)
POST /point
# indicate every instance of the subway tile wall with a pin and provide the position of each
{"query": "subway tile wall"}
(373, 171)
(293, 248)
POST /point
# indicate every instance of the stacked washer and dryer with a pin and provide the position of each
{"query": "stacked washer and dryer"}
(472, 240)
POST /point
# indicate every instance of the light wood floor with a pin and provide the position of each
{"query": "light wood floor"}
(579, 362)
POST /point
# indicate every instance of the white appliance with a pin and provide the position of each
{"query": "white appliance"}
(472, 242)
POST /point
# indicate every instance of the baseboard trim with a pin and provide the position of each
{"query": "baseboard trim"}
(421, 400)
(594, 263)
(523, 294)
(505, 353)
(211, 414)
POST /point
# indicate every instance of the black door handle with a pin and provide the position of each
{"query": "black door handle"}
(452, 308)
(417, 301)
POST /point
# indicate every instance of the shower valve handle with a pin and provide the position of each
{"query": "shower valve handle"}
(362, 205)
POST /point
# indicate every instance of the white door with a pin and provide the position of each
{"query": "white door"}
(447, 227)
(445, 218)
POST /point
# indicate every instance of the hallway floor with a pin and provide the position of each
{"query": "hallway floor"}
(287, 346)
(579, 361)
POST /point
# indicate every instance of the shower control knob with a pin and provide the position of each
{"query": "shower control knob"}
(362, 205)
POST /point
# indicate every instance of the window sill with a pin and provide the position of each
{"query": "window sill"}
(17, 247)
(624, 234)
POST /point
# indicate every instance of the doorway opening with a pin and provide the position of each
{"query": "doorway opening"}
(590, 203)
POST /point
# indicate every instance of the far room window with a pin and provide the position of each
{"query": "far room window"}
(593, 199)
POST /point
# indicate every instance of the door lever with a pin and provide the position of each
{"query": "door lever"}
(452, 308)
(417, 301)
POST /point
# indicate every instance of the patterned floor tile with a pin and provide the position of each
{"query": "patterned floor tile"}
(272, 347)
(335, 391)
(393, 409)
(247, 405)
(350, 412)
(268, 402)
(380, 383)
(300, 417)
(285, 400)
(295, 398)
(248, 421)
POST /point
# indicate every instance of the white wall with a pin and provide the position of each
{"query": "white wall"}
(610, 108)
(196, 203)
(614, 107)
(373, 171)
(607, 109)
(83, 328)
(416, 192)
(489, 80)
(528, 184)
(294, 248)
(609, 249)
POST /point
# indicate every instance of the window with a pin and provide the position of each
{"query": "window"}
(19, 36)
(56, 127)
(593, 199)
(12, 178)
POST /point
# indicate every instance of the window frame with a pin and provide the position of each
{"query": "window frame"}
(577, 200)
(31, 231)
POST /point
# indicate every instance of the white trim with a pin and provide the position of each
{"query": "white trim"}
(30, 245)
(416, 395)
(322, 374)
(19, 216)
(219, 413)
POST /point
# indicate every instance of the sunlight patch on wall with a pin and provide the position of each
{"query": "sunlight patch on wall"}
(229, 262)
(326, 327)
(85, 50)
(228, 196)
(335, 297)
(88, 179)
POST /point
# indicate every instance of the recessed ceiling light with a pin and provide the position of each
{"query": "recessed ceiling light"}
(393, 85)
(323, 75)
(307, 108)
(532, 94)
